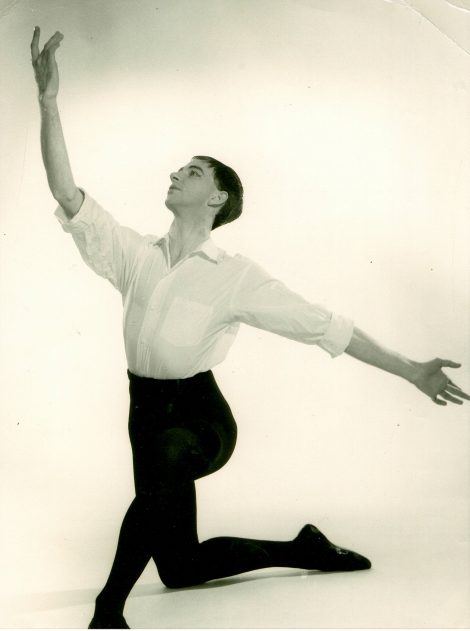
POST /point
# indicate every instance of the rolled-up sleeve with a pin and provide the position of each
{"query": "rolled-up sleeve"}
(266, 303)
(107, 248)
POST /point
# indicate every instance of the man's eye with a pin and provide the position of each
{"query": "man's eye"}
(193, 172)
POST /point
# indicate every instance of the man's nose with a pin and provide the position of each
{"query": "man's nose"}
(174, 177)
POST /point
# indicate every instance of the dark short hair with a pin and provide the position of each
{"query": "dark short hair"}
(226, 180)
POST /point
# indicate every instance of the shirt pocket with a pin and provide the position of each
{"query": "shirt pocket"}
(186, 322)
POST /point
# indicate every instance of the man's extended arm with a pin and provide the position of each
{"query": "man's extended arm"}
(426, 376)
(266, 303)
(54, 151)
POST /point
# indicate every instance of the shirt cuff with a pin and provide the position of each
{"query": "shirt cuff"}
(337, 336)
(81, 220)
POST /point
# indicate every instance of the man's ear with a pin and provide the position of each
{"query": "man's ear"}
(218, 198)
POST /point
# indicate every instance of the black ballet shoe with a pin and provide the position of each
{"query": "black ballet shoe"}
(108, 621)
(317, 553)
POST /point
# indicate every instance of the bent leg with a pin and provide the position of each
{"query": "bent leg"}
(182, 560)
(161, 523)
(172, 447)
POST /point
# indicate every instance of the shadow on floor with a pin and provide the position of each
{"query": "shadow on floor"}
(70, 598)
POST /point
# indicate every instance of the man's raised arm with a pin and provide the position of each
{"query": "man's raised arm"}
(54, 151)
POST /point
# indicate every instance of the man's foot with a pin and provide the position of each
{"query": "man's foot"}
(317, 553)
(108, 621)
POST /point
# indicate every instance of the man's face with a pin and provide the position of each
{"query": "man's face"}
(192, 186)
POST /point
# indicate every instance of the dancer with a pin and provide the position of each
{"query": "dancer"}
(184, 299)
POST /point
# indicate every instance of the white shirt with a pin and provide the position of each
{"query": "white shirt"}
(182, 320)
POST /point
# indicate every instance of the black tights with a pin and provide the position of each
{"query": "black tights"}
(180, 430)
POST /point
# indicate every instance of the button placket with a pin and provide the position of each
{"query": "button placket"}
(148, 324)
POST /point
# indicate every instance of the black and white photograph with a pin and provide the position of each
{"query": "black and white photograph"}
(235, 324)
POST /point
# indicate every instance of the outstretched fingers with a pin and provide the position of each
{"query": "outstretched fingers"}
(458, 390)
(54, 42)
(451, 393)
(455, 390)
(447, 363)
(35, 44)
(50, 46)
(448, 397)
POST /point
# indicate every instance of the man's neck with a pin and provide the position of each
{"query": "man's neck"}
(184, 237)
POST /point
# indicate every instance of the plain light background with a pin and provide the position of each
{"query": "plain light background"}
(348, 124)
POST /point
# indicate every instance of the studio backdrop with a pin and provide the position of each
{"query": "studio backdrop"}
(348, 123)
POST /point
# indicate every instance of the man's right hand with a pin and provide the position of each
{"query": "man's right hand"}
(45, 65)
(54, 151)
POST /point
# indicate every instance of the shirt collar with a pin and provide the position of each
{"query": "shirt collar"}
(207, 247)
(210, 249)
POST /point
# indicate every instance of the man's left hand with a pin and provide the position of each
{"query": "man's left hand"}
(431, 380)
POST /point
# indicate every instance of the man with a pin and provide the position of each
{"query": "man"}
(184, 299)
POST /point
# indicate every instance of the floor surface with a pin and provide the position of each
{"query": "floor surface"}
(416, 590)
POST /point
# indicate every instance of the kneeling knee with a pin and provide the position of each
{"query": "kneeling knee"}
(177, 575)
